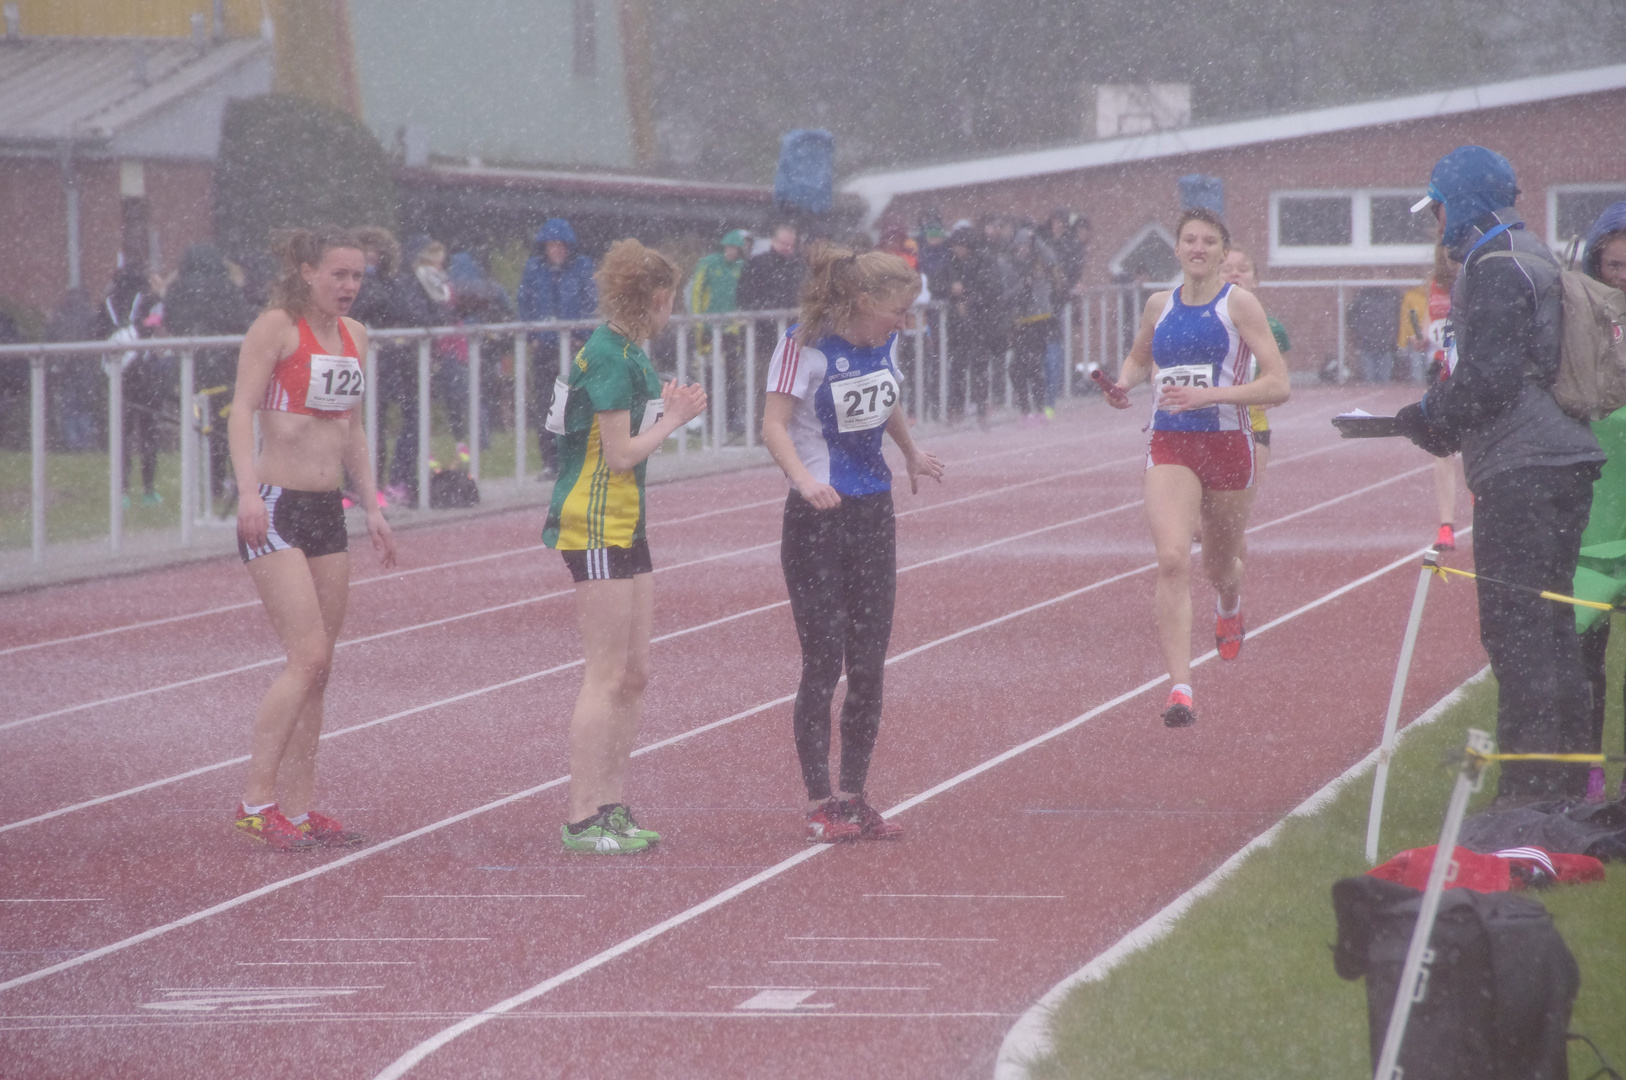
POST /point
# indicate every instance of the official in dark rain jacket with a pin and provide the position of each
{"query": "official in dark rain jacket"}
(1530, 465)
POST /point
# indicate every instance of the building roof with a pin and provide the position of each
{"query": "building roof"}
(879, 188)
(83, 90)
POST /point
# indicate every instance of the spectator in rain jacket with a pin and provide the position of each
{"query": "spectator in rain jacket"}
(203, 300)
(772, 281)
(392, 297)
(475, 299)
(977, 317)
(717, 276)
(75, 383)
(557, 284)
(149, 380)
(1530, 466)
(1600, 574)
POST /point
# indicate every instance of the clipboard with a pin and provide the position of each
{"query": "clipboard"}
(1361, 425)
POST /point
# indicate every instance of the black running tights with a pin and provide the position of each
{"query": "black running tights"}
(841, 569)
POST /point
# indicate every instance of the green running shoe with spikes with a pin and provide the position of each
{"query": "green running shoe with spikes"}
(599, 839)
(618, 819)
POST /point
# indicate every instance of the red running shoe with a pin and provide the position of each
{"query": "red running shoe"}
(827, 824)
(1228, 635)
(1447, 538)
(328, 832)
(871, 825)
(273, 830)
(1178, 713)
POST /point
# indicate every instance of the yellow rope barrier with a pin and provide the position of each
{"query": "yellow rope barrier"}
(1543, 593)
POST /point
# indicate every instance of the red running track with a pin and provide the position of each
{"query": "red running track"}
(140, 937)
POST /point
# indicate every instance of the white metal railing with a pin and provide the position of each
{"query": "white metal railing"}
(702, 346)
(1096, 328)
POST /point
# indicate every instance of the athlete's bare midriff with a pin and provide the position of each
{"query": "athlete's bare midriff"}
(301, 453)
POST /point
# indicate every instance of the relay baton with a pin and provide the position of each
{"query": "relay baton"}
(1107, 386)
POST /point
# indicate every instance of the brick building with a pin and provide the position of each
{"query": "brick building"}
(1315, 196)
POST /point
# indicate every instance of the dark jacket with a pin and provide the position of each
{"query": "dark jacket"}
(979, 318)
(771, 281)
(475, 297)
(1505, 319)
(202, 300)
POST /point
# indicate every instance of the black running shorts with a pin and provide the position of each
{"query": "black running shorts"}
(609, 563)
(312, 521)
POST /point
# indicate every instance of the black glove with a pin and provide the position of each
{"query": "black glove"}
(1411, 423)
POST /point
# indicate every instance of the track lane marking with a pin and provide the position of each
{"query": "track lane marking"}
(765, 875)
(507, 683)
(509, 605)
(407, 1061)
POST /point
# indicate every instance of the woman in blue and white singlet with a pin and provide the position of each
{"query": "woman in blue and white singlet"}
(833, 390)
(1196, 344)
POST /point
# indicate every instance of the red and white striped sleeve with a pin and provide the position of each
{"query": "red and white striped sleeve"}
(786, 372)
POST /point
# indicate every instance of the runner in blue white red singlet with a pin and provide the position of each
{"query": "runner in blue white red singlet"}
(1197, 344)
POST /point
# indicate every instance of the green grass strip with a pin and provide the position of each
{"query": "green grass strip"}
(1242, 985)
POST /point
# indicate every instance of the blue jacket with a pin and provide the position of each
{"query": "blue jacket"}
(1612, 220)
(556, 292)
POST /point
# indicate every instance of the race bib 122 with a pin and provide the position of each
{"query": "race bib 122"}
(336, 383)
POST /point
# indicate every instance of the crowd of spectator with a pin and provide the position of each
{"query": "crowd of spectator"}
(1004, 280)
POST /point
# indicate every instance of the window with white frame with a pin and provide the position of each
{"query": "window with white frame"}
(1572, 208)
(1349, 228)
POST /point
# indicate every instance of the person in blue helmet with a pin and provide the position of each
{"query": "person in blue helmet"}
(1530, 466)
(557, 284)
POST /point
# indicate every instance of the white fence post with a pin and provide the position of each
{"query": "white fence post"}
(942, 363)
(750, 383)
(423, 422)
(522, 362)
(475, 349)
(719, 386)
(369, 411)
(189, 448)
(36, 452)
(1067, 349)
(683, 380)
(115, 453)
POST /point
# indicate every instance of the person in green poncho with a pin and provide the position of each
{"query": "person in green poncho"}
(1601, 573)
(713, 290)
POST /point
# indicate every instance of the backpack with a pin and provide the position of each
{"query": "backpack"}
(1591, 380)
(1495, 1002)
(452, 489)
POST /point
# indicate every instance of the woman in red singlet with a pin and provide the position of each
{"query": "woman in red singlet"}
(300, 371)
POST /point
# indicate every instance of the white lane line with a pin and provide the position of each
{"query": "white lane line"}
(386, 845)
(326, 963)
(383, 939)
(779, 986)
(405, 1063)
(528, 549)
(861, 963)
(1029, 1038)
(959, 896)
(806, 938)
(57, 900)
(479, 612)
(485, 896)
(306, 1019)
(99, 800)
(393, 575)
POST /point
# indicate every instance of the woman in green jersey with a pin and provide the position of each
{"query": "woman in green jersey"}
(610, 412)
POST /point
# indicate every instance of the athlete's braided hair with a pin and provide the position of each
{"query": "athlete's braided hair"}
(304, 247)
(837, 278)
